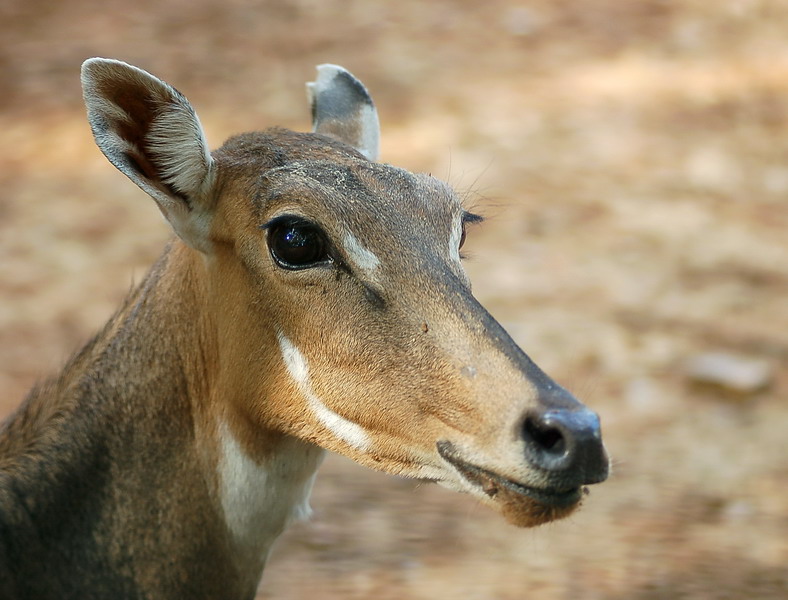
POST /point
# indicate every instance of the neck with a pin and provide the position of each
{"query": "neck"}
(259, 499)
(166, 469)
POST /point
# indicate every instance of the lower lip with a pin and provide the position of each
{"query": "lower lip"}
(557, 499)
(492, 483)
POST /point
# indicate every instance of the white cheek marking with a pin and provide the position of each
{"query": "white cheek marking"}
(353, 434)
(360, 256)
(259, 500)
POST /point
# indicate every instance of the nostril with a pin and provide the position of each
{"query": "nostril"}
(546, 438)
(566, 443)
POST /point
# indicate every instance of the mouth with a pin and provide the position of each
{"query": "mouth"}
(523, 505)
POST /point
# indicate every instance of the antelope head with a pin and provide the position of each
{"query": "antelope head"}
(340, 312)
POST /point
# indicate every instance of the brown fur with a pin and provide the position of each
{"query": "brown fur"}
(111, 482)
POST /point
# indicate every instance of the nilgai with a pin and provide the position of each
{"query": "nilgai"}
(311, 300)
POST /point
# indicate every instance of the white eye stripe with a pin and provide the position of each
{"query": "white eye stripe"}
(351, 433)
(360, 257)
(454, 242)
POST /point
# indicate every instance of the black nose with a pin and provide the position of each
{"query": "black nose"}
(566, 442)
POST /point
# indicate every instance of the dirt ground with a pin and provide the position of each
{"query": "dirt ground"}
(632, 161)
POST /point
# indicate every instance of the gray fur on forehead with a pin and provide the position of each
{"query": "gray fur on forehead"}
(325, 160)
(377, 182)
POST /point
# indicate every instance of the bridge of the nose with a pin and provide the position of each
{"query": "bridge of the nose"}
(399, 233)
(397, 236)
(411, 225)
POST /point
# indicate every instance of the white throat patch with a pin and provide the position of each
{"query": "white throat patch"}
(347, 431)
(259, 500)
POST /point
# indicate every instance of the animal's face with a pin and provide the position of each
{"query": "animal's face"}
(344, 314)
(364, 317)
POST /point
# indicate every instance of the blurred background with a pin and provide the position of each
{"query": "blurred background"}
(631, 159)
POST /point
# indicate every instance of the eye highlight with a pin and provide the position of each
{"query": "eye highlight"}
(296, 243)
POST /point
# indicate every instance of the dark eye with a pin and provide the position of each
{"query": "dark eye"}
(296, 243)
(462, 236)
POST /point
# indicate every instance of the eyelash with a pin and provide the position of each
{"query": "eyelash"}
(468, 218)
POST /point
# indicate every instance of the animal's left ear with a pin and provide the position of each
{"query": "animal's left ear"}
(150, 132)
(342, 108)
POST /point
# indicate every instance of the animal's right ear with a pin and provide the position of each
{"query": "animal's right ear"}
(149, 131)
